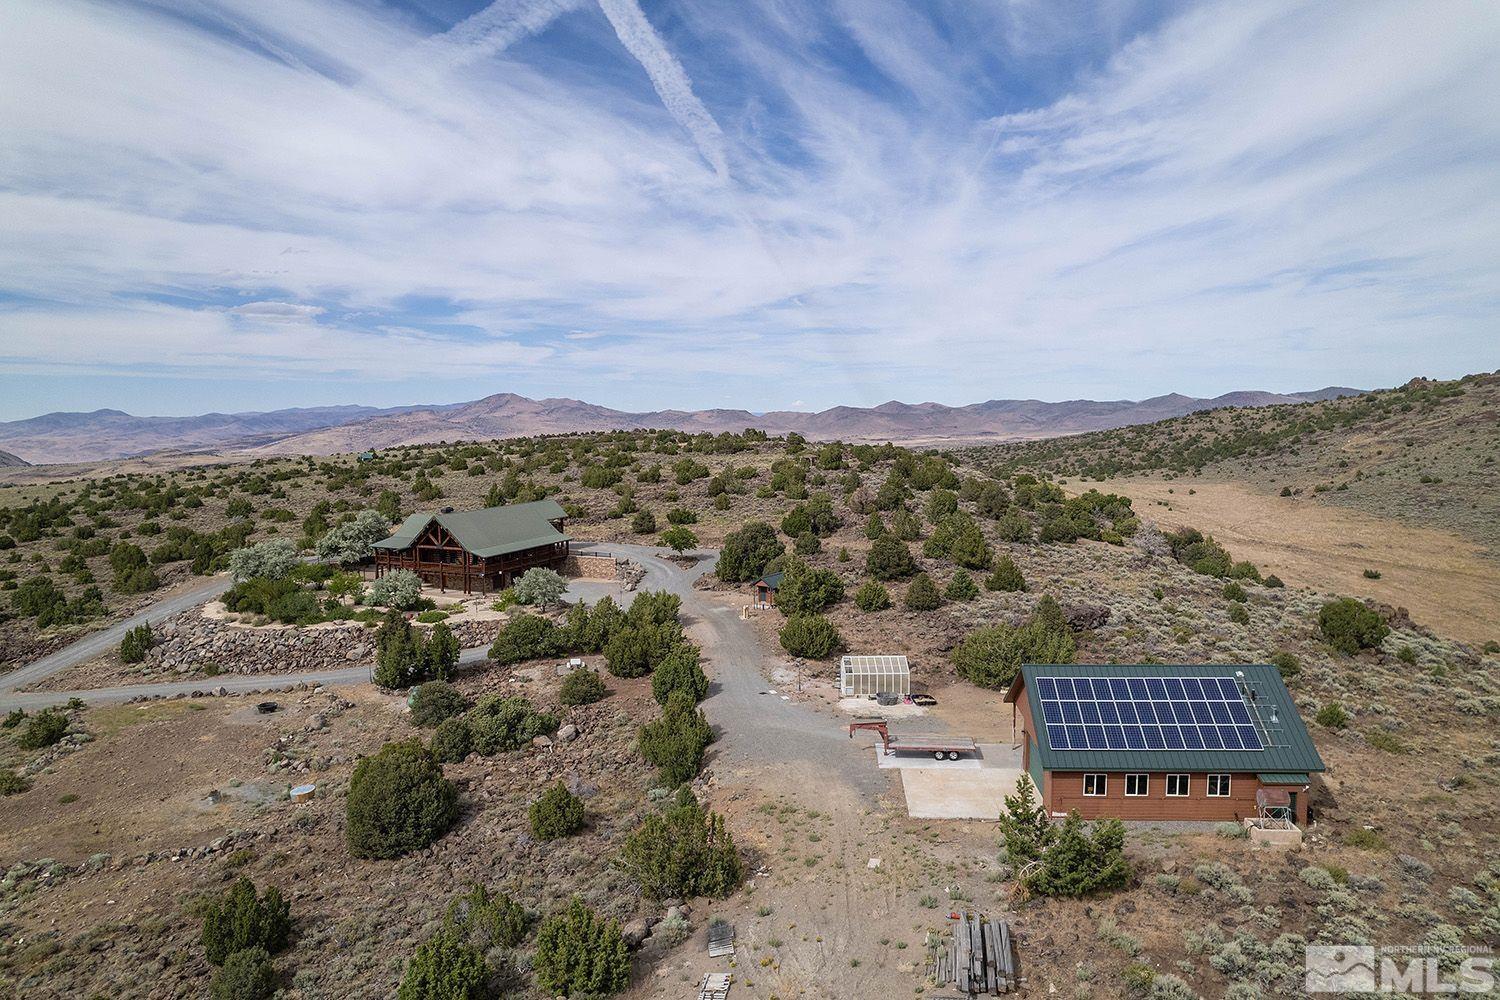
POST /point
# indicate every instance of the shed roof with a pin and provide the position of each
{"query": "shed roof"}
(490, 531)
(875, 664)
(1288, 753)
(771, 581)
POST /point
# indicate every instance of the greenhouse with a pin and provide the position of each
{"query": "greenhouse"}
(861, 676)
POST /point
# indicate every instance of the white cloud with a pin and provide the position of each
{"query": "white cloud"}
(1252, 195)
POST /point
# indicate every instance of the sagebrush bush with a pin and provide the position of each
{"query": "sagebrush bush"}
(558, 813)
(44, 729)
(398, 802)
(242, 919)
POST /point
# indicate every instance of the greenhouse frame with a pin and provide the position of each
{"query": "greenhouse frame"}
(866, 676)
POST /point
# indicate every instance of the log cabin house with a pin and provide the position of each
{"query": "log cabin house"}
(476, 550)
(1155, 742)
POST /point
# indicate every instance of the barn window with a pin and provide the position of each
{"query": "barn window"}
(1137, 784)
(1218, 786)
(1095, 784)
(1177, 785)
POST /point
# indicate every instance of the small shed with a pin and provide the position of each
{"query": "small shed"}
(861, 676)
(766, 588)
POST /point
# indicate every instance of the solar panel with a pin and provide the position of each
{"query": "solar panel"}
(1146, 713)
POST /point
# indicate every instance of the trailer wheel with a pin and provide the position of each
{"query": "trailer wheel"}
(938, 754)
(953, 755)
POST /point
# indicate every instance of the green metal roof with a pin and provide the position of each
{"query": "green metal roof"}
(490, 531)
(1279, 778)
(1289, 751)
(772, 580)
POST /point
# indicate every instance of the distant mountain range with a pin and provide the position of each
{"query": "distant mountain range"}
(107, 434)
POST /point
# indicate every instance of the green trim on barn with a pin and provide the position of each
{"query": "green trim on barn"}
(1290, 755)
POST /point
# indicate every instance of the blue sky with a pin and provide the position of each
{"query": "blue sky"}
(236, 204)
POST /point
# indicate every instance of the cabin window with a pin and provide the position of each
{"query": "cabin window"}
(1218, 786)
(1177, 785)
(1095, 784)
(1137, 785)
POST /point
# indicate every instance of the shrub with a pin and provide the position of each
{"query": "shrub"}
(990, 657)
(805, 590)
(399, 654)
(678, 539)
(807, 544)
(637, 647)
(436, 701)
(352, 540)
(683, 852)
(525, 637)
(1350, 626)
(398, 802)
(1239, 614)
(272, 560)
(1078, 862)
(12, 783)
(644, 523)
(578, 953)
(1006, 577)
(923, 594)
(582, 687)
(504, 724)
(889, 559)
(1273, 581)
(679, 671)
(540, 586)
(1024, 828)
(445, 967)
(44, 729)
(1287, 664)
(1234, 592)
(747, 551)
(810, 636)
(1372, 574)
(400, 589)
(246, 975)
(297, 608)
(1332, 716)
(452, 741)
(675, 743)
(558, 813)
(488, 919)
(961, 587)
(136, 642)
(681, 515)
(872, 596)
(241, 919)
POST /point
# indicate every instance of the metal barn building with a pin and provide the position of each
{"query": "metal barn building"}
(862, 676)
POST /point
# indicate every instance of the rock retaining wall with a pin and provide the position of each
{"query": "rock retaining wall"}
(591, 567)
(191, 643)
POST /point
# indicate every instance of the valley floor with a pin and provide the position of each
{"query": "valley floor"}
(1448, 583)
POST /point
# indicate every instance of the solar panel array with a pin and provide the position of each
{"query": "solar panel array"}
(1145, 713)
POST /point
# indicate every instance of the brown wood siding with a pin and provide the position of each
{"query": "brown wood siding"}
(1065, 793)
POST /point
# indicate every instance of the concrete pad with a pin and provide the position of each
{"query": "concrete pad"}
(951, 793)
(870, 709)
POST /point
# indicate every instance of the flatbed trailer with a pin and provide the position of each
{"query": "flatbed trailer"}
(941, 747)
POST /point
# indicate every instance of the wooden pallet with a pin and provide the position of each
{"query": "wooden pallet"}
(980, 957)
(715, 986)
(720, 940)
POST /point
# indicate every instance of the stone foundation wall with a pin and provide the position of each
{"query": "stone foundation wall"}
(189, 642)
(591, 567)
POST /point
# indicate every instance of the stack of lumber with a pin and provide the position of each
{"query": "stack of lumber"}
(980, 957)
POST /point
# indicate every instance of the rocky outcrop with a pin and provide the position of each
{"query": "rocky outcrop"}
(191, 643)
